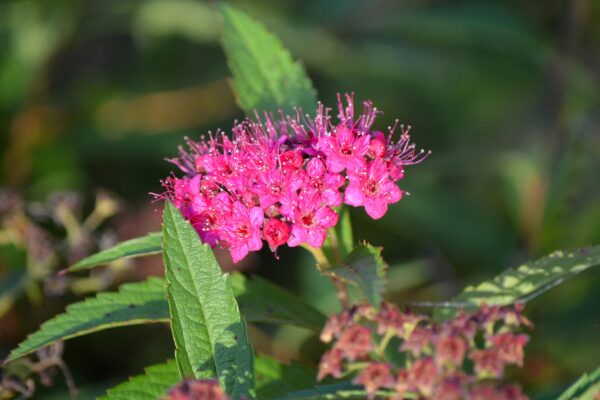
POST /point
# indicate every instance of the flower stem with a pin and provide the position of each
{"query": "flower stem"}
(380, 350)
(324, 263)
(319, 256)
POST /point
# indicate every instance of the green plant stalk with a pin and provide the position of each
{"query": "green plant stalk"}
(380, 349)
(324, 263)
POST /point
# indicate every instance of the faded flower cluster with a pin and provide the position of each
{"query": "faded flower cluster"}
(202, 389)
(409, 356)
(280, 180)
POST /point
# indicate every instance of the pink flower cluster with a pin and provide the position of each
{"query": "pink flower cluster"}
(281, 180)
(435, 355)
(191, 389)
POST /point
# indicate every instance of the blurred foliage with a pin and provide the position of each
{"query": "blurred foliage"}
(505, 93)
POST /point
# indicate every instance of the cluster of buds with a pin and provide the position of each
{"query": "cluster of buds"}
(281, 180)
(202, 389)
(463, 358)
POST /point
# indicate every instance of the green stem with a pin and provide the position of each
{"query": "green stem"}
(324, 263)
(380, 349)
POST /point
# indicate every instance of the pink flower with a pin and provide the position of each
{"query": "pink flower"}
(290, 170)
(325, 183)
(184, 193)
(344, 149)
(372, 188)
(208, 218)
(241, 230)
(273, 184)
(276, 233)
(309, 217)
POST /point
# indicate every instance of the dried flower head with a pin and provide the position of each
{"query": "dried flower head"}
(191, 389)
(433, 354)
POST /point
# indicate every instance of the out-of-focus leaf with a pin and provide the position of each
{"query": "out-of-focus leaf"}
(134, 303)
(11, 285)
(262, 301)
(149, 386)
(585, 388)
(138, 247)
(274, 379)
(525, 282)
(365, 269)
(209, 333)
(265, 77)
(188, 18)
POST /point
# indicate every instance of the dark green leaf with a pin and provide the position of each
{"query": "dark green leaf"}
(11, 286)
(149, 386)
(265, 77)
(134, 303)
(365, 269)
(524, 283)
(210, 336)
(142, 246)
(146, 302)
(274, 379)
(262, 301)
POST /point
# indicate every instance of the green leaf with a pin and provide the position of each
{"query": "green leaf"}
(11, 287)
(134, 303)
(265, 77)
(365, 269)
(343, 390)
(142, 246)
(585, 388)
(524, 283)
(149, 386)
(262, 301)
(210, 336)
(274, 379)
(146, 302)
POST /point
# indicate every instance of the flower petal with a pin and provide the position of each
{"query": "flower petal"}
(376, 207)
(354, 196)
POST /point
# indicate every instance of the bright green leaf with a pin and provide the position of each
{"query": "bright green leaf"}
(585, 388)
(142, 246)
(210, 336)
(265, 77)
(365, 269)
(134, 303)
(526, 282)
(274, 379)
(262, 301)
(149, 386)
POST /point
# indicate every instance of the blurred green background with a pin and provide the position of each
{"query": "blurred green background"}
(506, 94)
